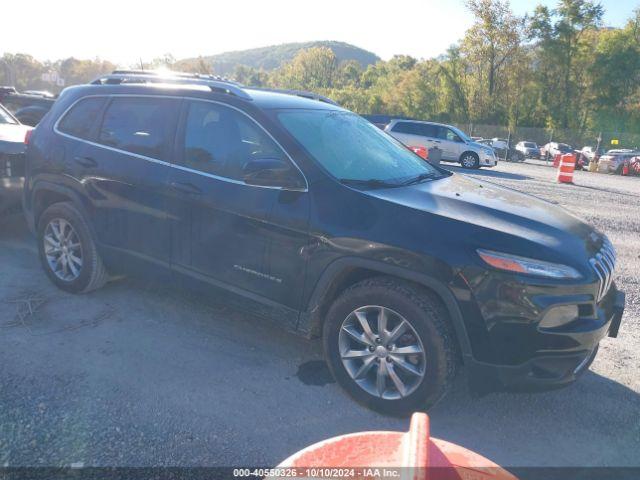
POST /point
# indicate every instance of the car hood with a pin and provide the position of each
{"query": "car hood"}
(479, 145)
(496, 209)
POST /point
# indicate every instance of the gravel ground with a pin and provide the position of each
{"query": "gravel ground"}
(141, 375)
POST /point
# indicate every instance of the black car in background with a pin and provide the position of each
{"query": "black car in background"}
(27, 108)
(312, 217)
(12, 147)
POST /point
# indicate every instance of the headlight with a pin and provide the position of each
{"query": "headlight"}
(528, 266)
(488, 151)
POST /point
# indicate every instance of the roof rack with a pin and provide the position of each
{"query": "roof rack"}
(217, 84)
(298, 93)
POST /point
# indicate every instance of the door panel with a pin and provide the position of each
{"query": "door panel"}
(449, 147)
(222, 228)
(124, 172)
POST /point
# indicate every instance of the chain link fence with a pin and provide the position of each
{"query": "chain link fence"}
(542, 136)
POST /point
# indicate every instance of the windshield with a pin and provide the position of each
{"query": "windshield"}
(529, 145)
(351, 148)
(5, 117)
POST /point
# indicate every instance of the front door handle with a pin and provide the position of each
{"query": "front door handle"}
(86, 162)
(186, 187)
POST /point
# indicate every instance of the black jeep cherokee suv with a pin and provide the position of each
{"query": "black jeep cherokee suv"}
(309, 215)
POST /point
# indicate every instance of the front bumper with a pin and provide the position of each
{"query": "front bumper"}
(570, 353)
(488, 160)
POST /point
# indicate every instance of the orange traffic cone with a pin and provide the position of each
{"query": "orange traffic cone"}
(566, 167)
(412, 455)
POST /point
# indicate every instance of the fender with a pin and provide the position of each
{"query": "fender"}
(310, 320)
(44, 185)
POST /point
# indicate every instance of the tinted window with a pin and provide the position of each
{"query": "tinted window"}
(220, 140)
(80, 119)
(403, 127)
(139, 125)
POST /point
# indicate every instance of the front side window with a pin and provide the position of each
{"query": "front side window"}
(220, 140)
(139, 125)
(351, 148)
(445, 133)
(80, 119)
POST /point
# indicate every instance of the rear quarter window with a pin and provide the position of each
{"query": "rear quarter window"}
(81, 118)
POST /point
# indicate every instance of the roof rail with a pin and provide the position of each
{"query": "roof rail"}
(298, 93)
(217, 84)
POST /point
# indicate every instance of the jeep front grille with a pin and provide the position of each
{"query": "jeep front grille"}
(604, 264)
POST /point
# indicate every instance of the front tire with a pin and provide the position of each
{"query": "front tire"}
(67, 251)
(470, 160)
(390, 346)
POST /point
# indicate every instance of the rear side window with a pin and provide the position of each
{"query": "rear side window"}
(139, 125)
(403, 127)
(80, 119)
(427, 130)
(220, 140)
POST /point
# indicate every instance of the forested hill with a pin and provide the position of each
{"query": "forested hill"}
(269, 58)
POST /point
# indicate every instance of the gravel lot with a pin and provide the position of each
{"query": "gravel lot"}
(141, 375)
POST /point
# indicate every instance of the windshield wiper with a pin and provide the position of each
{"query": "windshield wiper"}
(419, 178)
(371, 183)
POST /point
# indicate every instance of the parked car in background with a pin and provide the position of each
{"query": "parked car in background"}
(27, 108)
(528, 149)
(41, 93)
(248, 194)
(501, 143)
(590, 152)
(12, 147)
(456, 146)
(552, 148)
(498, 146)
(613, 160)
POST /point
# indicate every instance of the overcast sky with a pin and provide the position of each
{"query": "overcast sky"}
(126, 30)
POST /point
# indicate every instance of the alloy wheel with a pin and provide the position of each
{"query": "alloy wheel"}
(382, 352)
(468, 161)
(63, 249)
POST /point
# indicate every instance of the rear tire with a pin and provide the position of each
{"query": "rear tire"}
(81, 270)
(470, 160)
(429, 375)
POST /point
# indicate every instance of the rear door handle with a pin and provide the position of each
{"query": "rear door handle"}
(186, 187)
(87, 162)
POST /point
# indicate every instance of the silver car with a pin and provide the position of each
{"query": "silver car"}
(455, 145)
(529, 149)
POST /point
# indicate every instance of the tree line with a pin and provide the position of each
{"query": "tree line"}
(553, 68)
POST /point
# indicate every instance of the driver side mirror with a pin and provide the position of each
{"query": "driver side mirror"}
(272, 172)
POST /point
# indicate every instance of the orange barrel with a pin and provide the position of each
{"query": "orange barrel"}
(625, 167)
(566, 167)
(556, 160)
(422, 151)
(411, 455)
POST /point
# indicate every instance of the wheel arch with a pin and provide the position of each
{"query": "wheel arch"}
(44, 194)
(345, 272)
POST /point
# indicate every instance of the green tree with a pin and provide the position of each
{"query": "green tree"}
(563, 52)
